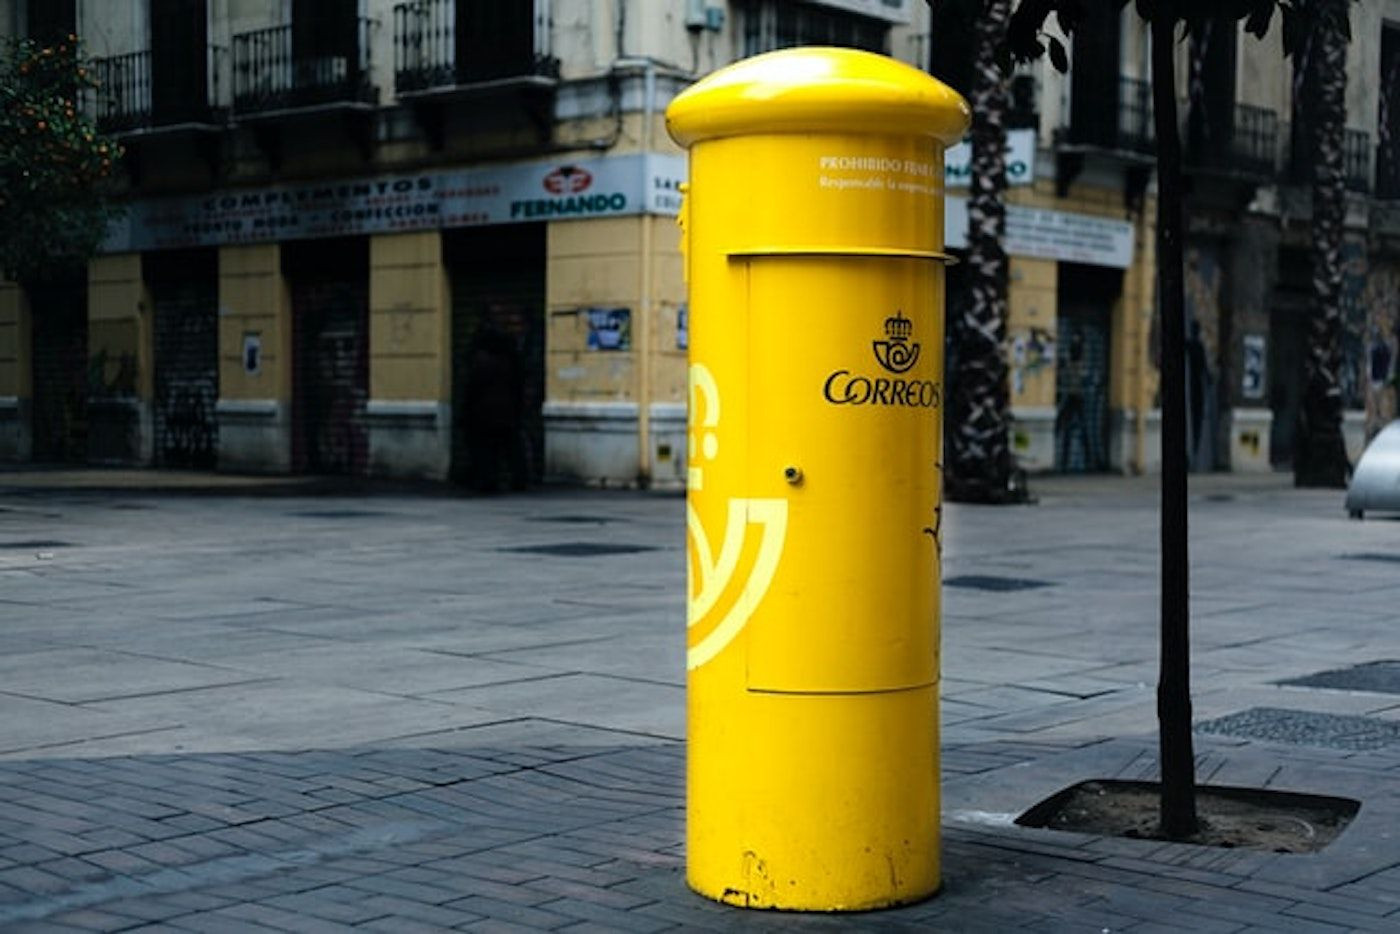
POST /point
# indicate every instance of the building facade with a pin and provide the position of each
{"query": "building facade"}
(437, 238)
(1083, 349)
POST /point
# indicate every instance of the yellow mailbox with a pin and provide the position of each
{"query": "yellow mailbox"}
(813, 239)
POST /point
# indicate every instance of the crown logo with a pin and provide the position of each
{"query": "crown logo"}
(896, 353)
(899, 327)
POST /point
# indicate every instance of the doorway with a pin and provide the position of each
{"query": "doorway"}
(58, 312)
(184, 287)
(497, 278)
(1085, 297)
(329, 285)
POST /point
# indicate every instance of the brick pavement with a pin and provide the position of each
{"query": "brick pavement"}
(465, 753)
(590, 839)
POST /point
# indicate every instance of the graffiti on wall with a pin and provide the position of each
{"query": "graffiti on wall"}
(1252, 371)
(1032, 353)
(186, 374)
(1354, 323)
(112, 376)
(1381, 300)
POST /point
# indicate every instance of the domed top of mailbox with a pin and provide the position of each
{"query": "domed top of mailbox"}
(818, 90)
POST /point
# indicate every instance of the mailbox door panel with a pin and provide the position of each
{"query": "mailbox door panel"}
(845, 388)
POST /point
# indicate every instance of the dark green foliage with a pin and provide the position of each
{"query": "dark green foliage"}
(55, 166)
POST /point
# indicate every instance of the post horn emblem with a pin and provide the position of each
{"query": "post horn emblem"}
(896, 353)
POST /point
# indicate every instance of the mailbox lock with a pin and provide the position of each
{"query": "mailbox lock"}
(792, 475)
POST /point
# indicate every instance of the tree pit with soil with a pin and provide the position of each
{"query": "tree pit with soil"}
(1228, 817)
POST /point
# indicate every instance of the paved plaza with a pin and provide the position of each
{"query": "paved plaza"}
(230, 704)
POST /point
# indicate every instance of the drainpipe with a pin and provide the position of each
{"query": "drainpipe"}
(644, 306)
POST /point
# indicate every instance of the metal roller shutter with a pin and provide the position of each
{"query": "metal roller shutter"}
(329, 282)
(60, 369)
(497, 277)
(185, 297)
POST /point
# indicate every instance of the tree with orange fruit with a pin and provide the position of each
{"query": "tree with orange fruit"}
(55, 167)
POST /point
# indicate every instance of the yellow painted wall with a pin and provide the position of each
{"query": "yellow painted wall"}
(15, 342)
(253, 299)
(410, 331)
(119, 326)
(592, 264)
(1031, 332)
(1134, 377)
(669, 371)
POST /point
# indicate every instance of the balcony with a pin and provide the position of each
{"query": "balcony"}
(1388, 171)
(300, 67)
(1301, 157)
(1246, 145)
(446, 48)
(1121, 123)
(186, 93)
(1356, 160)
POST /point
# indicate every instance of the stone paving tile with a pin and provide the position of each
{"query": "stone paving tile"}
(400, 909)
(498, 926)
(606, 917)
(525, 915)
(492, 830)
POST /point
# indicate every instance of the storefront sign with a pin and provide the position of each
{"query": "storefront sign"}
(1020, 160)
(429, 200)
(1044, 234)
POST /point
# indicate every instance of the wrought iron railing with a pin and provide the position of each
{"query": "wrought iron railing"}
(1356, 159)
(270, 71)
(1247, 145)
(1388, 170)
(1123, 122)
(1254, 140)
(122, 98)
(1301, 155)
(427, 50)
(127, 97)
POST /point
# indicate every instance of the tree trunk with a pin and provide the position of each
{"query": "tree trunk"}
(979, 465)
(1178, 804)
(1320, 457)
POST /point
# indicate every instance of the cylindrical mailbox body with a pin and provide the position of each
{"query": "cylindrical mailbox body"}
(813, 241)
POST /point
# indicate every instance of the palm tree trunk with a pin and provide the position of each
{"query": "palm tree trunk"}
(1178, 803)
(979, 456)
(1320, 457)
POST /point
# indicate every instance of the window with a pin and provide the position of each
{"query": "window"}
(952, 45)
(782, 24)
(1388, 116)
(179, 61)
(51, 20)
